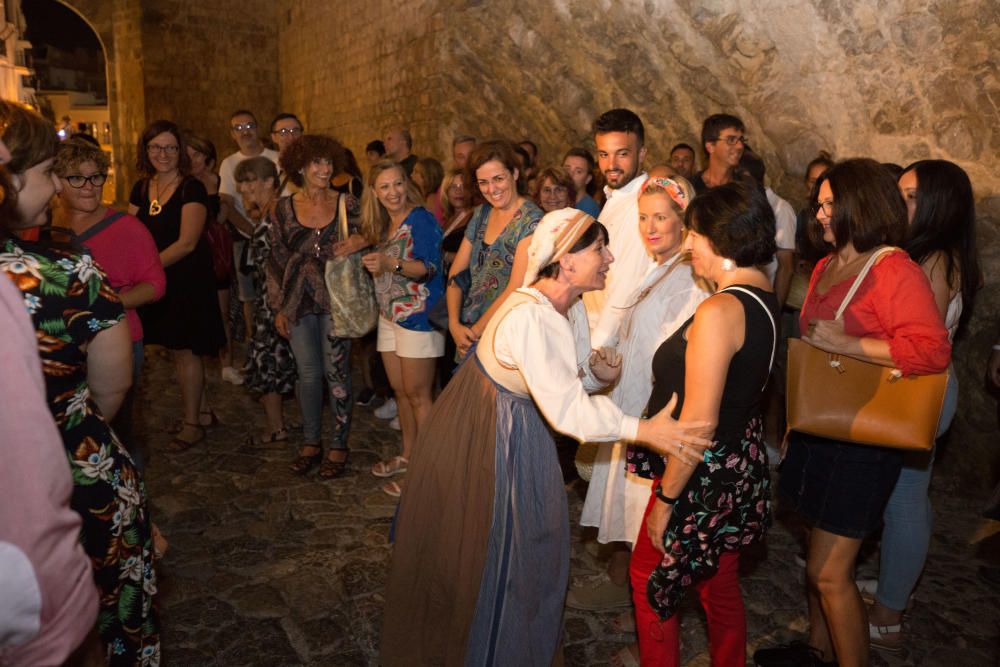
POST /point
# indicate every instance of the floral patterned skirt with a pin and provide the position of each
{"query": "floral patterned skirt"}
(725, 506)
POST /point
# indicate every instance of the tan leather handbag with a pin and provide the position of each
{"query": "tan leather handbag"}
(842, 398)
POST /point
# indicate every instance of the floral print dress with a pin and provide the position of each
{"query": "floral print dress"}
(70, 302)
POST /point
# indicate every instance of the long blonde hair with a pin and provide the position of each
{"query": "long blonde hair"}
(374, 217)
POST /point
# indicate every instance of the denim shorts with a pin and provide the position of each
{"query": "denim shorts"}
(836, 486)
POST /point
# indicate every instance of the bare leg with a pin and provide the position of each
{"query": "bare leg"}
(830, 575)
(191, 377)
(272, 410)
(226, 353)
(417, 398)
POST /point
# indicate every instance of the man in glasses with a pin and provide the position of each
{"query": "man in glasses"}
(723, 138)
(285, 129)
(244, 131)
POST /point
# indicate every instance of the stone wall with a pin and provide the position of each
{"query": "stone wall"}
(898, 80)
(190, 62)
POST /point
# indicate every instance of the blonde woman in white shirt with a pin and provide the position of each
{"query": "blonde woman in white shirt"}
(664, 300)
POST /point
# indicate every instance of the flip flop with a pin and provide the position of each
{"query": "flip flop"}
(393, 489)
(179, 444)
(394, 466)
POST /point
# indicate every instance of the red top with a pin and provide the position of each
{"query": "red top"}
(894, 303)
(127, 253)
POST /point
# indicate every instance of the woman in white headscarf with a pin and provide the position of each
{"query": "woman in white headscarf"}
(482, 539)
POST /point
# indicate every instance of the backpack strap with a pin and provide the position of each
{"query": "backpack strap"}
(99, 227)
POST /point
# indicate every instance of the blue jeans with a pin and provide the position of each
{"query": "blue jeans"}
(319, 353)
(908, 518)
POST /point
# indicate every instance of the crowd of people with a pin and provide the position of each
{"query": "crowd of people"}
(644, 311)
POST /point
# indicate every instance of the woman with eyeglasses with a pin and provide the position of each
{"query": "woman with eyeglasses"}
(173, 206)
(555, 189)
(119, 242)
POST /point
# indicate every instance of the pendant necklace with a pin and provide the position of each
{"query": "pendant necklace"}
(154, 206)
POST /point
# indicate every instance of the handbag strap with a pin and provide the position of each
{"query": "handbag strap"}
(774, 327)
(861, 276)
(342, 215)
(99, 227)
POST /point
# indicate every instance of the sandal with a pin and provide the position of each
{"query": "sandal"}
(306, 462)
(281, 435)
(179, 444)
(331, 469)
(877, 637)
(394, 466)
(213, 421)
(394, 489)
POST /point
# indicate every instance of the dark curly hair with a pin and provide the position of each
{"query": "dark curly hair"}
(737, 220)
(301, 152)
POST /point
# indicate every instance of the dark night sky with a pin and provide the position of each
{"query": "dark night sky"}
(53, 23)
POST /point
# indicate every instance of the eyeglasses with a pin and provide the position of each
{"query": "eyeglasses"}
(157, 148)
(825, 206)
(239, 127)
(285, 131)
(733, 139)
(456, 187)
(78, 180)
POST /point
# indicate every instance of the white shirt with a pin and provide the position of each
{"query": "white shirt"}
(784, 229)
(632, 261)
(534, 337)
(227, 175)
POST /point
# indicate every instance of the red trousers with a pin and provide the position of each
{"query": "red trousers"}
(659, 641)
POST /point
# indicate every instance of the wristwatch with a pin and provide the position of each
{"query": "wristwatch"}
(658, 492)
(398, 268)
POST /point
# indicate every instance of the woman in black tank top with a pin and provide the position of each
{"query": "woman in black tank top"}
(715, 367)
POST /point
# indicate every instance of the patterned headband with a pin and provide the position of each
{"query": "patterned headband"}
(672, 188)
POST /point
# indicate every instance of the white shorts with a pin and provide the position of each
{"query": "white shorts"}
(407, 343)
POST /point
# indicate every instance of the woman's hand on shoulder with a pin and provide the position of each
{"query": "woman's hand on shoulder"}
(685, 441)
(606, 364)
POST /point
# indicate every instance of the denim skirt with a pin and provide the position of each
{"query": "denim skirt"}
(837, 486)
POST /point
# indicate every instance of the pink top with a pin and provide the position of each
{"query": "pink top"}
(48, 601)
(894, 303)
(127, 252)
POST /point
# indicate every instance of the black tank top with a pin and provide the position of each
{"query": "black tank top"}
(748, 370)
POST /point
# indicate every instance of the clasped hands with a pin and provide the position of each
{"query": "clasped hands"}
(606, 364)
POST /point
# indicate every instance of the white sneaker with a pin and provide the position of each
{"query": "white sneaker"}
(387, 410)
(232, 376)
(394, 424)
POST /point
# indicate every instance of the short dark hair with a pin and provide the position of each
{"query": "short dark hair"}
(823, 158)
(679, 146)
(311, 147)
(620, 120)
(463, 139)
(581, 153)
(867, 208)
(525, 156)
(285, 116)
(716, 123)
(155, 128)
(737, 220)
(30, 138)
(534, 148)
(202, 145)
(500, 150)
(590, 235)
(256, 168)
(753, 166)
(375, 146)
(242, 112)
(945, 221)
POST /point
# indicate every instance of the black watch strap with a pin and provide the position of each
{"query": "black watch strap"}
(658, 492)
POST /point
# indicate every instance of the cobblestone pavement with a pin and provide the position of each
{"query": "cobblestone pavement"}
(266, 568)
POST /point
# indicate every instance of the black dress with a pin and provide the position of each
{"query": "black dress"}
(726, 502)
(187, 317)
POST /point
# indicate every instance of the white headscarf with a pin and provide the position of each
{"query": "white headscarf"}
(553, 237)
